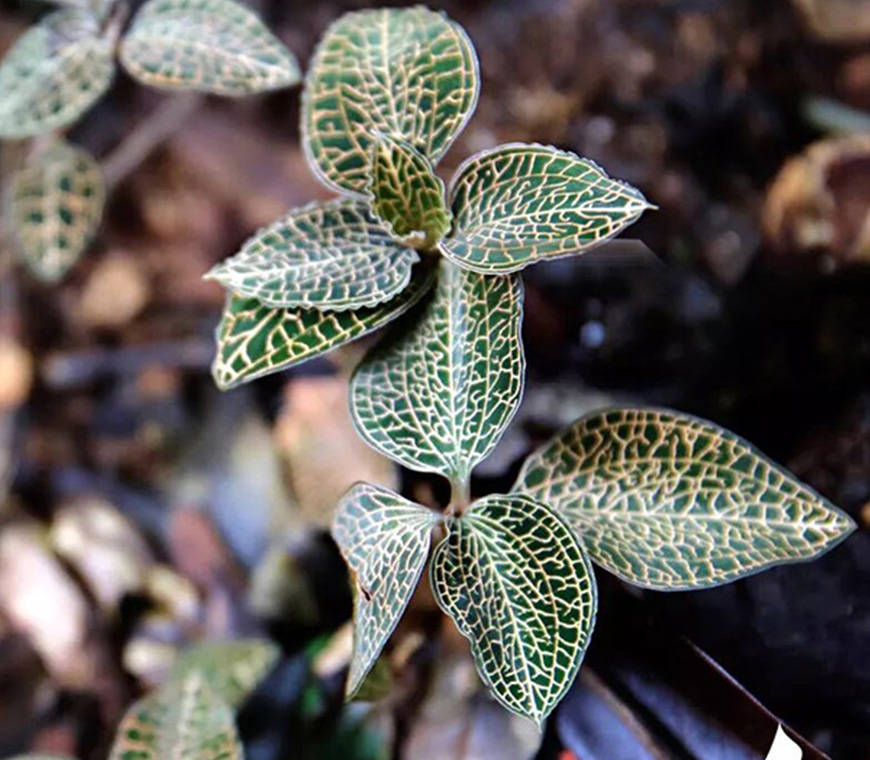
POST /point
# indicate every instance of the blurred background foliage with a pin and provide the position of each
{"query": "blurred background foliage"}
(141, 510)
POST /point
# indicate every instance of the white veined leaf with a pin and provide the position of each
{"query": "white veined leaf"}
(385, 541)
(54, 73)
(671, 502)
(330, 256)
(406, 194)
(255, 340)
(517, 204)
(183, 719)
(438, 395)
(512, 575)
(216, 46)
(55, 206)
(409, 73)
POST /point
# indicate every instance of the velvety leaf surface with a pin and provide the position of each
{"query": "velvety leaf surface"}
(410, 73)
(53, 73)
(183, 719)
(216, 46)
(670, 502)
(385, 541)
(512, 575)
(231, 669)
(407, 196)
(55, 206)
(331, 256)
(517, 204)
(438, 395)
(255, 340)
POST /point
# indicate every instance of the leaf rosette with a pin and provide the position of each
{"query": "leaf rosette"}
(388, 91)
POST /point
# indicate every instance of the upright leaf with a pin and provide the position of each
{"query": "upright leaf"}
(231, 669)
(330, 256)
(410, 73)
(216, 46)
(513, 576)
(53, 73)
(55, 206)
(407, 196)
(255, 340)
(517, 204)
(438, 396)
(385, 540)
(183, 719)
(670, 502)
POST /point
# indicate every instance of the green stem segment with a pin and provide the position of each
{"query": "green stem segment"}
(460, 497)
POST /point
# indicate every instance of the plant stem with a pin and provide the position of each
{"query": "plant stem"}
(152, 131)
(460, 496)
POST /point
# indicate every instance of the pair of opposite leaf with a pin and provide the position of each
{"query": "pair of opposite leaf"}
(60, 67)
(662, 500)
(192, 715)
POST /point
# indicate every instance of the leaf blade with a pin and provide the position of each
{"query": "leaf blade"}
(407, 196)
(55, 206)
(385, 540)
(255, 340)
(181, 719)
(439, 396)
(231, 669)
(715, 512)
(355, 86)
(214, 46)
(519, 203)
(331, 256)
(54, 72)
(518, 585)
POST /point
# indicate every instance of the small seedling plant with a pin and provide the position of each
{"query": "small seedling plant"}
(61, 66)
(663, 500)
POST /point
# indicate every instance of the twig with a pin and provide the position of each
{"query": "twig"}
(135, 148)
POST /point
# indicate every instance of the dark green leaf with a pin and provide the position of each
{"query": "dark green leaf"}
(437, 396)
(671, 502)
(410, 73)
(54, 73)
(517, 204)
(216, 46)
(385, 541)
(512, 575)
(55, 206)
(255, 340)
(330, 256)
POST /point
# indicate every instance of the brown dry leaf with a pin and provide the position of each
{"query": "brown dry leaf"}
(55, 619)
(323, 453)
(116, 291)
(845, 21)
(104, 548)
(820, 201)
(16, 373)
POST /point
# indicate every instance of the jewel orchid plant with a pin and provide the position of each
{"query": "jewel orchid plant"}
(663, 500)
(65, 63)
